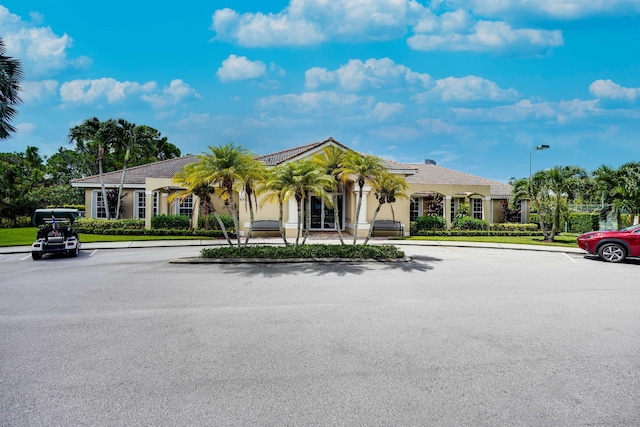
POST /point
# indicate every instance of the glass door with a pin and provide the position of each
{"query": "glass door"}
(322, 216)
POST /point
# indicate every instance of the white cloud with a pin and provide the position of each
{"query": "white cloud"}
(25, 128)
(319, 103)
(39, 48)
(526, 111)
(240, 68)
(34, 91)
(382, 111)
(485, 36)
(607, 89)
(373, 73)
(468, 89)
(557, 9)
(177, 92)
(455, 26)
(88, 91)
(310, 22)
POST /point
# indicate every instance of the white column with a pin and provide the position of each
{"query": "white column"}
(487, 212)
(362, 219)
(292, 220)
(148, 209)
(447, 210)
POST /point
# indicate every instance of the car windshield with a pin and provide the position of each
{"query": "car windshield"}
(633, 229)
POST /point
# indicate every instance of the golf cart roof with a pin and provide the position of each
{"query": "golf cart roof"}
(43, 216)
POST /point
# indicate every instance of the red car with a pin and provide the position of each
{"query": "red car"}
(612, 245)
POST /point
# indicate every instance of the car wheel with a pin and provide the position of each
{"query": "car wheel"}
(612, 252)
(36, 255)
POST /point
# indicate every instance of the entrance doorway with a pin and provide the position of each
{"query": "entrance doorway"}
(323, 217)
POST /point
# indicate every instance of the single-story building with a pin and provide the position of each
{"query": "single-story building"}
(432, 188)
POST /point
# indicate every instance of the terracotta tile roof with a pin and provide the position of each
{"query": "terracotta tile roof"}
(137, 174)
(279, 157)
(418, 173)
(434, 174)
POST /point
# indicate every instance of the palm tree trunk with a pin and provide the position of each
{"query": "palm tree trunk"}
(299, 221)
(336, 217)
(307, 223)
(104, 190)
(375, 214)
(251, 219)
(355, 225)
(124, 171)
(280, 222)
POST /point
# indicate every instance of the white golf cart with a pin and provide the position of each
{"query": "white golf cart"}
(55, 232)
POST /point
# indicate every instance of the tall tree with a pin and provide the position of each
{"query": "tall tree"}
(11, 76)
(223, 167)
(332, 160)
(96, 138)
(275, 184)
(550, 190)
(252, 178)
(194, 181)
(388, 188)
(365, 168)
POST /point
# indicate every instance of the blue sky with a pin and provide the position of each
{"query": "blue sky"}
(471, 84)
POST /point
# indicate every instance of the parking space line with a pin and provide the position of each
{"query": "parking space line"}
(93, 253)
(570, 259)
(27, 257)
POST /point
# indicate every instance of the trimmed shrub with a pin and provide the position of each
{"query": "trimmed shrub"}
(453, 233)
(381, 252)
(430, 222)
(583, 222)
(227, 220)
(468, 223)
(513, 226)
(181, 222)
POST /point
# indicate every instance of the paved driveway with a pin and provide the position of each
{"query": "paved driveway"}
(458, 337)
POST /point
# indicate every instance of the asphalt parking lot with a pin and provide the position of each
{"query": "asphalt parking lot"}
(458, 336)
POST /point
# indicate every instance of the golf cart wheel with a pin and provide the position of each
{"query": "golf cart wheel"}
(612, 252)
(36, 255)
(75, 252)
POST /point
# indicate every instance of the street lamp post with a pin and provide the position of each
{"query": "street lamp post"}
(537, 148)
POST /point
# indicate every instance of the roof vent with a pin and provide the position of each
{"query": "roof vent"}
(429, 162)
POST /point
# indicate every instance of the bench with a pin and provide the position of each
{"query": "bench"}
(388, 225)
(266, 225)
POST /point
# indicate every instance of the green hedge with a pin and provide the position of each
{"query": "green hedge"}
(430, 222)
(103, 224)
(577, 222)
(181, 222)
(452, 233)
(381, 252)
(513, 226)
(468, 223)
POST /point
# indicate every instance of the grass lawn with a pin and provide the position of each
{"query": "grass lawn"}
(26, 236)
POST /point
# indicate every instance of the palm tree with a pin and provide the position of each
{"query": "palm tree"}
(388, 188)
(299, 179)
(130, 137)
(193, 179)
(223, 167)
(275, 183)
(11, 76)
(332, 160)
(251, 177)
(91, 136)
(365, 169)
(550, 189)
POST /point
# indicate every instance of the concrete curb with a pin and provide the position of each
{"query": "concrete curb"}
(198, 260)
